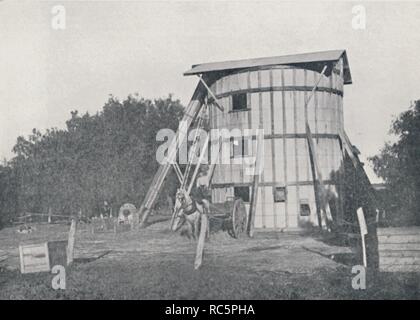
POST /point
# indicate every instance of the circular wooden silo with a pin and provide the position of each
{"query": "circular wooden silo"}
(273, 97)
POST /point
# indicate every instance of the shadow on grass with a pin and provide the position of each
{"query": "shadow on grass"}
(91, 259)
(259, 249)
(156, 219)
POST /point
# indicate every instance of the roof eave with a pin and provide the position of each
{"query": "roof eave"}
(236, 64)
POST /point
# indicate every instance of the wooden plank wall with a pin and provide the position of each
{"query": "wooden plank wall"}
(399, 249)
(277, 95)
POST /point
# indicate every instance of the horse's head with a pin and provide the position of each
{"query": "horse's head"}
(182, 197)
(179, 194)
(181, 200)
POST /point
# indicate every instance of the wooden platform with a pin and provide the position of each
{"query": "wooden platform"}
(399, 249)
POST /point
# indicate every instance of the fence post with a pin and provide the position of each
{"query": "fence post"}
(70, 243)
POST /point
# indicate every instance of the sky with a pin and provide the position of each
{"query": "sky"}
(111, 47)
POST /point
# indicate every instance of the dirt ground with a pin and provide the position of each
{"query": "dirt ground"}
(154, 263)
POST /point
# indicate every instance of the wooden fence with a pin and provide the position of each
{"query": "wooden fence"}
(31, 217)
(399, 249)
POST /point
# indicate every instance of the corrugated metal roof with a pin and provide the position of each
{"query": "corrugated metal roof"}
(294, 59)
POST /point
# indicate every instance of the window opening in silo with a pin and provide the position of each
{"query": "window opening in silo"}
(239, 102)
(241, 192)
(240, 146)
(279, 194)
(305, 209)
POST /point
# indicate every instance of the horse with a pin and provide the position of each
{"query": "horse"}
(187, 212)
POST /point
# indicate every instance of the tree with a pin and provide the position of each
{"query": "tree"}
(399, 165)
(8, 195)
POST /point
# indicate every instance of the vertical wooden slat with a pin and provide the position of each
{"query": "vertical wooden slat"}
(201, 240)
(273, 147)
(249, 112)
(305, 97)
(248, 100)
(255, 185)
(296, 143)
(261, 127)
(286, 206)
(341, 175)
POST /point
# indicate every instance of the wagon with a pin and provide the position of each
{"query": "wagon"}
(230, 216)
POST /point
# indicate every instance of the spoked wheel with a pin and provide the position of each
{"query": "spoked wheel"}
(238, 219)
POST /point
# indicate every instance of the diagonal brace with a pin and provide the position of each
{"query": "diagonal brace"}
(216, 103)
(178, 172)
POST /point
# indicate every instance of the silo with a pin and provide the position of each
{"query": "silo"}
(270, 93)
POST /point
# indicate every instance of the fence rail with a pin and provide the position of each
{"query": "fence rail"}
(41, 218)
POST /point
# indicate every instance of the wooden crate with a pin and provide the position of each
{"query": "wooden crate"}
(399, 249)
(34, 258)
(41, 257)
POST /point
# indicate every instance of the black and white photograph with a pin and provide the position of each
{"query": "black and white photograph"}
(209, 151)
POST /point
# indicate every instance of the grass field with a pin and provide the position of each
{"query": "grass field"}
(154, 263)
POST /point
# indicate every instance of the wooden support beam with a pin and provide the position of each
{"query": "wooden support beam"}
(192, 151)
(311, 94)
(255, 184)
(216, 103)
(191, 113)
(178, 172)
(316, 188)
(200, 160)
(319, 182)
(197, 167)
(323, 208)
(348, 149)
(174, 213)
(214, 161)
(201, 240)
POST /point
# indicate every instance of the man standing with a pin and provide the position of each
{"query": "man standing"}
(106, 210)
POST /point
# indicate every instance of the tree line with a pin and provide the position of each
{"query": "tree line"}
(107, 156)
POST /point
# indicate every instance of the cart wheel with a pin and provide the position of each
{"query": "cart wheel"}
(238, 219)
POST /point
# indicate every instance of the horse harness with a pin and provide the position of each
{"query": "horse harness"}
(189, 208)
